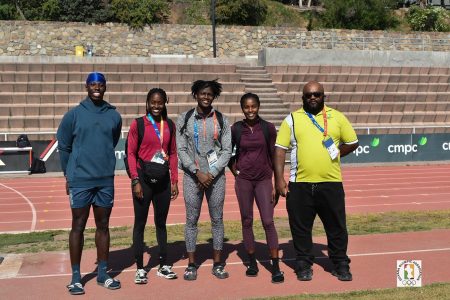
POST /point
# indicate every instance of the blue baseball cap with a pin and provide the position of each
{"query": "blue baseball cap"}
(96, 77)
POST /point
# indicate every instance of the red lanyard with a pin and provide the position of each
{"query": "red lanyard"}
(216, 134)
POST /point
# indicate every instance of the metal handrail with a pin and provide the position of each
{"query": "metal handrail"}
(367, 128)
(361, 42)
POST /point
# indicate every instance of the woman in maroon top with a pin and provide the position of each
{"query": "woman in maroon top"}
(254, 139)
(158, 144)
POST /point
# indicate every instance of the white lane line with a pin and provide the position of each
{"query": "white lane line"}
(206, 213)
(33, 210)
(396, 204)
(208, 265)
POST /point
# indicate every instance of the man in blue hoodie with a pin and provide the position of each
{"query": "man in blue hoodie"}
(87, 136)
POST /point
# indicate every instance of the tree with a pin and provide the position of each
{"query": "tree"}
(241, 12)
(359, 14)
(7, 12)
(51, 10)
(91, 11)
(138, 13)
(428, 19)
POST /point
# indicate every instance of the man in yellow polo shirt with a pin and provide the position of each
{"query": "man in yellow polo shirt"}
(318, 137)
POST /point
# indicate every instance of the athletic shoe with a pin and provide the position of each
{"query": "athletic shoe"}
(140, 277)
(342, 272)
(219, 272)
(277, 277)
(166, 272)
(304, 272)
(252, 270)
(190, 273)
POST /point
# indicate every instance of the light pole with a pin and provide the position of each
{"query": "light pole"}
(213, 21)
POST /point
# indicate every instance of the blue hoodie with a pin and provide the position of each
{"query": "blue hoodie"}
(87, 136)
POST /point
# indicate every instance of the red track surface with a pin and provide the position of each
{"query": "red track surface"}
(368, 189)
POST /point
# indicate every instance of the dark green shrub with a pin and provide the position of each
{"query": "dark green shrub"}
(91, 11)
(241, 12)
(7, 12)
(51, 10)
(138, 13)
(359, 14)
(428, 19)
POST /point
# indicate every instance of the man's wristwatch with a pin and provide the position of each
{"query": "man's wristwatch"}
(135, 181)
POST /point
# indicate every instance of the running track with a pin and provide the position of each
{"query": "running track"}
(38, 202)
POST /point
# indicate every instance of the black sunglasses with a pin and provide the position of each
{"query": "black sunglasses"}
(315, 94)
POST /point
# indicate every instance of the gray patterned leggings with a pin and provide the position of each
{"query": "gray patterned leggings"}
(193, 198)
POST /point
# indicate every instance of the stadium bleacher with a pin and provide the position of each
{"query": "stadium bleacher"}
(35, 96)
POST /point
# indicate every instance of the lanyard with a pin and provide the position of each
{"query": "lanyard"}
(325, 122)
(196, 135)
(159, 134)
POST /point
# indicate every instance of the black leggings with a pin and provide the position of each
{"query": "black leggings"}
(159, 194)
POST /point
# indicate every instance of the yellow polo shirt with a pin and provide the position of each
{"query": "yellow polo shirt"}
(310, 161)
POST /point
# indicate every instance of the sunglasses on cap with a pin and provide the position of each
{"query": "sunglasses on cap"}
(315, 94)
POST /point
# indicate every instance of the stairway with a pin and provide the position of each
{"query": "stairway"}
(258, 81)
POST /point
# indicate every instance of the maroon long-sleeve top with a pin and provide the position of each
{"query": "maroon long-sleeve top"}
(150, 145)
(254, 162)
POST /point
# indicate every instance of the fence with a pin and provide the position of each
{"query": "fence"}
(356, 42)
(6, 136)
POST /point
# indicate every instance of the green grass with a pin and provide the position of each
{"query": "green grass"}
(358, 224)
(432, 291)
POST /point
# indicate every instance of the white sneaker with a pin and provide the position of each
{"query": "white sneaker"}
(140, 277)
(166, 272)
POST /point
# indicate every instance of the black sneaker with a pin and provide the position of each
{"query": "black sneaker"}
(166, 272)
(304, 272)
(252, 270)
(277, 277)
(342, 272)
(190, 273)
(219, 272)
(140, 277)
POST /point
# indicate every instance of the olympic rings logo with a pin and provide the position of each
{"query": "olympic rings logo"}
(409, 282)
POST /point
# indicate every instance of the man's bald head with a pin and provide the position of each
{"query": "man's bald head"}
(313, 97)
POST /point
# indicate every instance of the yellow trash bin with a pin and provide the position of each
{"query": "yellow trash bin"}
(79, 51)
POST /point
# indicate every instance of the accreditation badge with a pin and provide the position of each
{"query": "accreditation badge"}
(333, 151)
(211, 156)
(158, 158)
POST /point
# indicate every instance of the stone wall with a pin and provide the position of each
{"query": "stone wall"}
(23, 38)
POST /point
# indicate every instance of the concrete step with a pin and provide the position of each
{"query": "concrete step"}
(255, 79)
(251, 71)
(255, 76)
(274, 111)
(261, 90)
(238, 68)
(269, 96)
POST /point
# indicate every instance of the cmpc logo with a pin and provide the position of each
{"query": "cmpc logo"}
(375, 142)
(407, 148)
